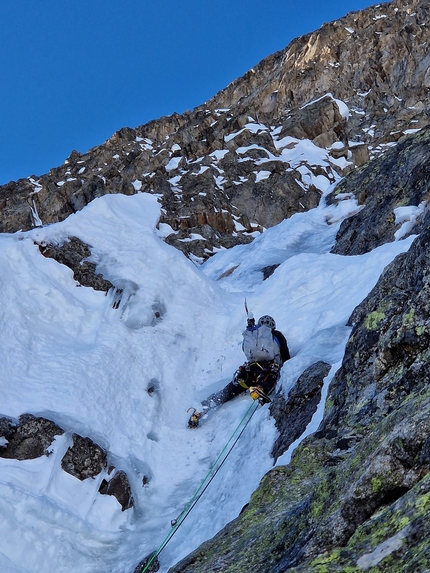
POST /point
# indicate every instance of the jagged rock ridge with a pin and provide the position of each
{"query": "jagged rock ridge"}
(234, 165)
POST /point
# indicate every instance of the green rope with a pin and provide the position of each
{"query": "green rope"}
(176, 523)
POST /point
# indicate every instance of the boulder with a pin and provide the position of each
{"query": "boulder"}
(119, 487)
(84, 458)
(30, 438)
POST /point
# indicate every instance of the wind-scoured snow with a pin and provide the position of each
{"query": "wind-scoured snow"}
(68, 355)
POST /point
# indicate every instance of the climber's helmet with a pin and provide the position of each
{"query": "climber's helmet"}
(267, 320)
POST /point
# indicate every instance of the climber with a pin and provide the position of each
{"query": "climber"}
(266, 350)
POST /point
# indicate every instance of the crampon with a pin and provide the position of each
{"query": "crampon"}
(193, 422)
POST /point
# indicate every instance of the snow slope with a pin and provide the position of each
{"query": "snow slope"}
(66, 354)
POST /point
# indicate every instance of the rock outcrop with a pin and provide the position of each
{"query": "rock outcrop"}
(29, 439)
(83, 458)
(32, 437)
(75, 254)
(391, 192)
(293, 414)
(119, 487)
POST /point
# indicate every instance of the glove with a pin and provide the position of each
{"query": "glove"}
(275, 371)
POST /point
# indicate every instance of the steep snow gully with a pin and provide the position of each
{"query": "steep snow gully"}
(68, 355)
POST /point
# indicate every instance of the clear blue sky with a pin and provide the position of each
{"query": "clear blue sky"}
(73, 72)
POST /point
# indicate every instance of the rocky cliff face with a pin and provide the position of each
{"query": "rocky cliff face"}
(236, 164)
(356, 494)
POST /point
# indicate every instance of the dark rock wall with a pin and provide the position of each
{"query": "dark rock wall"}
(400, 178)
(293, 414)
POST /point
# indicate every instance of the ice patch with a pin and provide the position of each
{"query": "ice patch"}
(164, 230)
(219, 154)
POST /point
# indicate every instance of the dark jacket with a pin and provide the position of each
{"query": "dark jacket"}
(280, 338)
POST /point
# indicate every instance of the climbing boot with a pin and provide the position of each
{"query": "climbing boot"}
(193, 422)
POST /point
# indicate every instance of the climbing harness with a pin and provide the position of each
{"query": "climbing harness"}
(213, 470)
